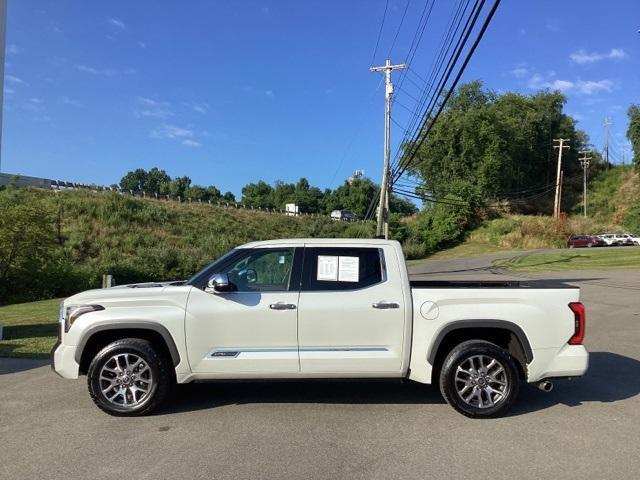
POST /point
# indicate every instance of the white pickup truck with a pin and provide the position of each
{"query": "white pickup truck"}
(320, 308)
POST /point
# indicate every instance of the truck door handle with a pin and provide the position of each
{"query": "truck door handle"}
(282, 306)
(385, 305)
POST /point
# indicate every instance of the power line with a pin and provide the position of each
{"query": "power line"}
(408, 180)
(395, 37)
(417, 144)
(460, 203)
(384, 16)
(430, 95)
(456, 14)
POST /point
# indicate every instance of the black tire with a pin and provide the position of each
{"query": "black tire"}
(460, 356)
(160, 377)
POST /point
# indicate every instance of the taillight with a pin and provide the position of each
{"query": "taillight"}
(580, 323)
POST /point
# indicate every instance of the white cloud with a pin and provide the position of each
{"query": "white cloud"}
(13, 49)
(265, 10)
(33, 105)
(15, 80)
(200, 107)
(117, 23)
(147, 107)
(583, 87)
(553, 25)
(9, 91)
(172, 132)
(70, 101)
(520, 72)
(269, 93)
(141, 44)
(107, 72)
(582, 56)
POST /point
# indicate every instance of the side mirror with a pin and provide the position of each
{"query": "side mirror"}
(219, 283)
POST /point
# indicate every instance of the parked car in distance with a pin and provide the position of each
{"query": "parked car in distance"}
(321, 308)
(577, 241)
(617, 239)
(635, 239)
(344, 215)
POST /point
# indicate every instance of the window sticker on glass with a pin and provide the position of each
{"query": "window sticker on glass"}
(349, 269)
(281, 259)
(327, 268)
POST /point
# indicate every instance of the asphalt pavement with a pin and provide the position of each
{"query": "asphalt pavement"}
(587, 428)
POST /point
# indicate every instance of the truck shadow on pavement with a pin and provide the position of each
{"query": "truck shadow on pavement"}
(611, 378)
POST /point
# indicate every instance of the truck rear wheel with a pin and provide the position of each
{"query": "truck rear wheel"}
(479, 379)
(129, 377)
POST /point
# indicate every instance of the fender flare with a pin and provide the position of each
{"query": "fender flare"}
(134, 325)
(464, 324)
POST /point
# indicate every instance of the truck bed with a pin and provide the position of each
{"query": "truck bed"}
(430, 284)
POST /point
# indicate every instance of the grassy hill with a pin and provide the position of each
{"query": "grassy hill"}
(614, 206)
(70, 239)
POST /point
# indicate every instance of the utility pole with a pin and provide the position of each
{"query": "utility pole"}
(561, 146)
(3, 31)
(607, 122)
(584, 161)
(623, 153)
(383, 207)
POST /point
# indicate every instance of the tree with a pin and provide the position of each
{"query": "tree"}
(156, 179)
(258, 195)
(178, 186)
(135, 180)
(229, 197)
(633, 133)
(486, 147)
(27, 245)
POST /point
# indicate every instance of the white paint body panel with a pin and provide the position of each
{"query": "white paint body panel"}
(330, 323)
(266, 340)
(330, 334)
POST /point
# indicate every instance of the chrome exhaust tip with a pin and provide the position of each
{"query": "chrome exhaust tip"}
(545, 385)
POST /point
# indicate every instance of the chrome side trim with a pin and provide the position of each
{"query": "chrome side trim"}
(234, 353)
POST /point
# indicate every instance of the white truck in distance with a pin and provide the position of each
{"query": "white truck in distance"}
(320, 308)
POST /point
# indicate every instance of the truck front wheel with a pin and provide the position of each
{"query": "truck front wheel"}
(479, 379)
(129, 377)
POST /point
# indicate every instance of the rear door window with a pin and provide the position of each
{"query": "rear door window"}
(337, 268)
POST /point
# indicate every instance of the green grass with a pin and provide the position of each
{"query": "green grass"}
(574, 259)
(29, 329)
(466, 249)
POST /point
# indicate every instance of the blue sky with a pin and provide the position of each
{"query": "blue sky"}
(230, 92)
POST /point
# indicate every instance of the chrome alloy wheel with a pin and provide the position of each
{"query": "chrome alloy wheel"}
(125, 380)
(481, 381)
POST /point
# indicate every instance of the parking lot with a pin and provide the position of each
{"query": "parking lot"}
(585, 428)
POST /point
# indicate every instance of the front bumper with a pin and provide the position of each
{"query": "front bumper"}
(63, 361)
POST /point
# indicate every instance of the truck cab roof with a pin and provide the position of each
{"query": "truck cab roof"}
(318, 241)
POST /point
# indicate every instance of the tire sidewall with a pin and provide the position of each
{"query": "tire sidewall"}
(103, 357)
(457, 356)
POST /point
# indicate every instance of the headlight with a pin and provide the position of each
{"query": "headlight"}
(73, 312)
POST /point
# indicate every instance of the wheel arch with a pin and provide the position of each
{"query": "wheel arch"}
(505, 334)
(98, 336)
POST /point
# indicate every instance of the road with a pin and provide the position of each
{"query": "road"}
(587, 428)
